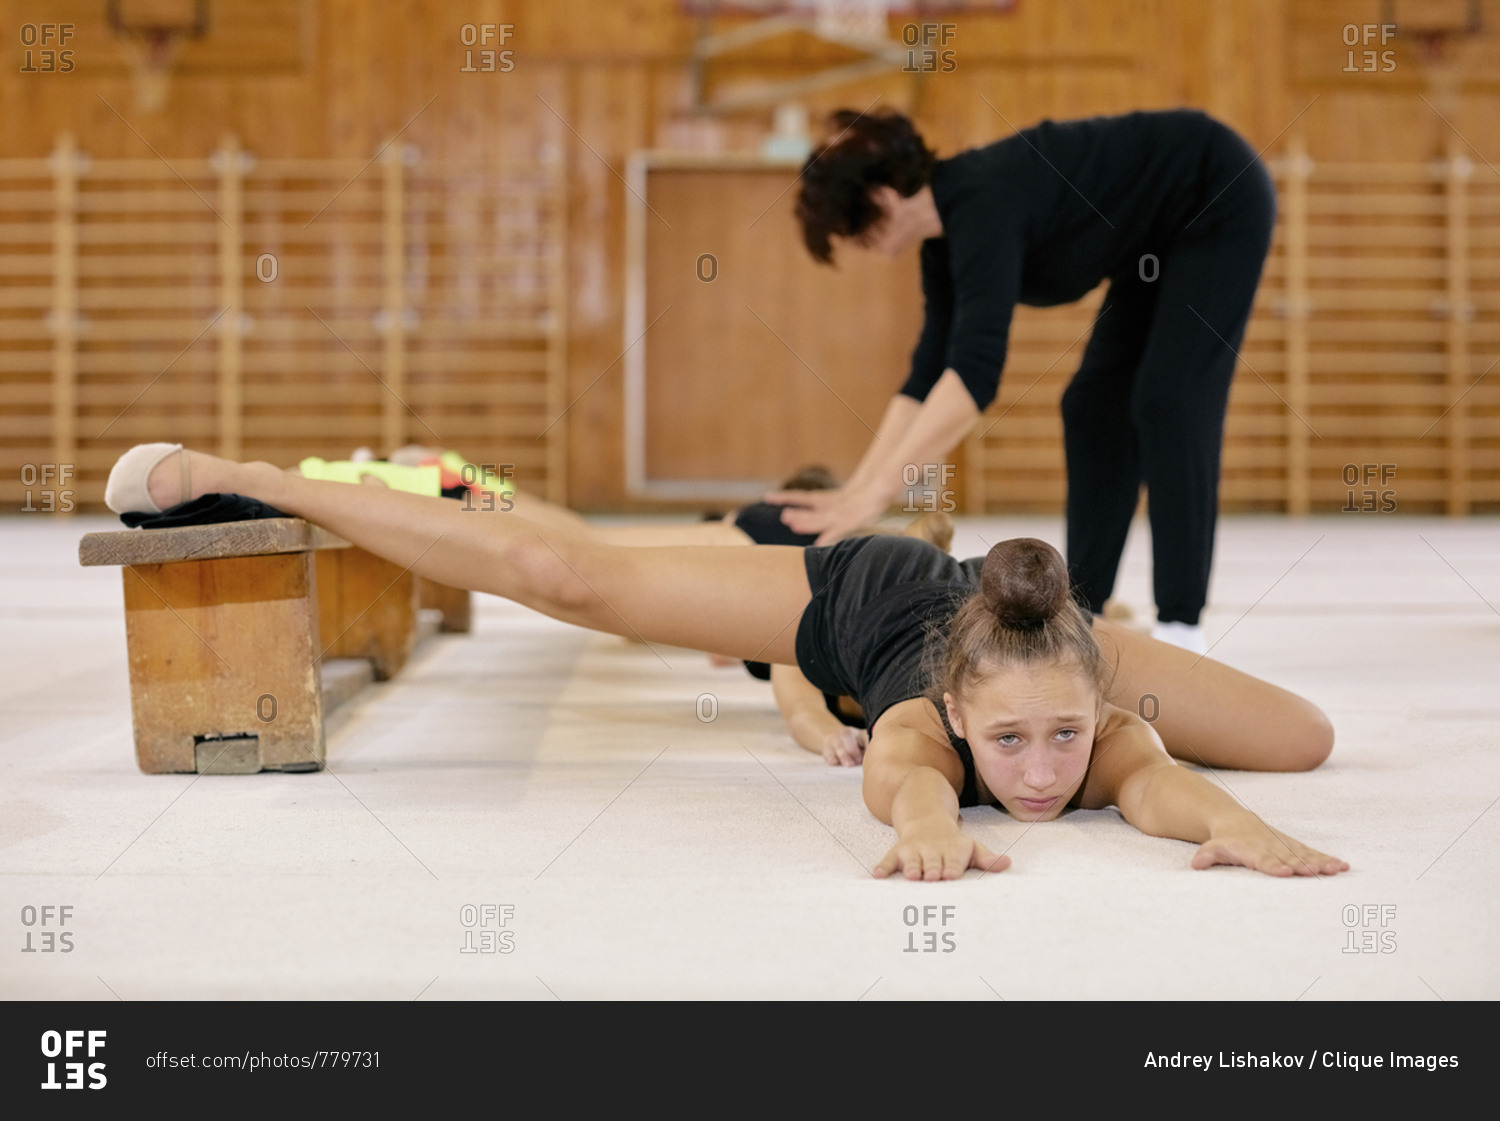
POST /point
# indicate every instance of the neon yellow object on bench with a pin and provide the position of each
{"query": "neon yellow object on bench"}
(417, 480)
(460, 472)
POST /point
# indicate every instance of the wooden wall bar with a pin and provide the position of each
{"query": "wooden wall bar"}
(422, 307)
(1402, 257)
(1368, 346)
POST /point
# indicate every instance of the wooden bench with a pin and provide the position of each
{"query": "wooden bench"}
(243, 636)
(455, 604)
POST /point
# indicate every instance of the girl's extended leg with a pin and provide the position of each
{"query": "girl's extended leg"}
(1209, 713)
(690, 533)
(743, 602)
(549, 515)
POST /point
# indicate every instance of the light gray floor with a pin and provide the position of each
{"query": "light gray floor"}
(647, 853)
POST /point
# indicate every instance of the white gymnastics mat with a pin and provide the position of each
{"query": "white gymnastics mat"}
(613, 844)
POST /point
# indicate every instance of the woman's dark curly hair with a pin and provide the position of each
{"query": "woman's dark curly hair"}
(866, 150)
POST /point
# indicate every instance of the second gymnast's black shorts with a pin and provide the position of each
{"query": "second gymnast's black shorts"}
(761, 522)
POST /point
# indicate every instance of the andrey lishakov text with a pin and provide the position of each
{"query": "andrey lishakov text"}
(1228, 1060)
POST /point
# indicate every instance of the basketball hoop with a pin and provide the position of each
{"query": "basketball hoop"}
(150, 33)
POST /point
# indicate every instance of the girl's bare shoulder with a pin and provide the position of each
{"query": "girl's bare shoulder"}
(915, 714)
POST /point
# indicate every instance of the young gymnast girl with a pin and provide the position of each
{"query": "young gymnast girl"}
(983, 681)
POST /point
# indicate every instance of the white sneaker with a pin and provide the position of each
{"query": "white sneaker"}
(1185, 635)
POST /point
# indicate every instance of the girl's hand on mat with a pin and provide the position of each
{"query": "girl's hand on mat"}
(939, 855)
(829, 513)
(845, 747)
(1256, 845)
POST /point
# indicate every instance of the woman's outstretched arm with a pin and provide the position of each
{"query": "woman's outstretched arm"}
(815, 729)
(911, 781)
(912, 433)
(1132, 770)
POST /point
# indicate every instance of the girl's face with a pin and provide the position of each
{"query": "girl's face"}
(1032, 732)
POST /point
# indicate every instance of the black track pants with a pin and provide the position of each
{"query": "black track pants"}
(1148, 402)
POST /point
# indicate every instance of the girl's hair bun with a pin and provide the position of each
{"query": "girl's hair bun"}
(1024, 582)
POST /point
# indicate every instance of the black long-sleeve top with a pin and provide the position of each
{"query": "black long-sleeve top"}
(1041, 218)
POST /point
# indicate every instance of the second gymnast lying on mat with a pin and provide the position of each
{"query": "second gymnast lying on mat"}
(983, 682)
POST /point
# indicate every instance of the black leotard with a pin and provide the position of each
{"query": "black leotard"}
(875, 600)
(761, 522)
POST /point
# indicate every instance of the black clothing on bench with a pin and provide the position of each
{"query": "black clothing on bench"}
(206, 509)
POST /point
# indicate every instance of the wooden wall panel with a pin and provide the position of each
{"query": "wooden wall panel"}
(777, 361)
(615, 74)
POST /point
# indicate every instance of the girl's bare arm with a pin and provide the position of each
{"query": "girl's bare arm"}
(811, 724)
(911, 433)
(1132, 770)
(912, 778)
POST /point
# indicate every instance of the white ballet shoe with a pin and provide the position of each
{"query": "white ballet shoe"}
(1185, 635)
(126, 490)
